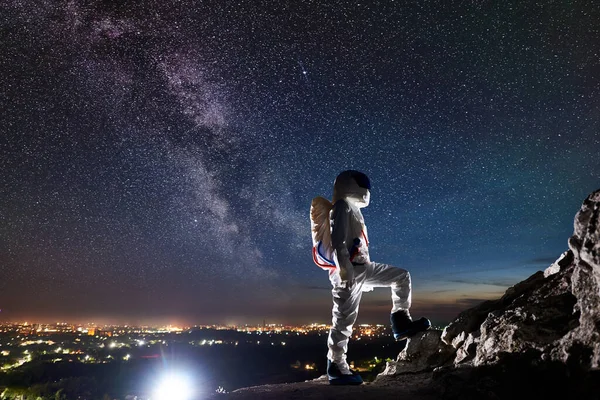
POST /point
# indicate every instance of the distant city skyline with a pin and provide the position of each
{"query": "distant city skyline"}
(158, 159)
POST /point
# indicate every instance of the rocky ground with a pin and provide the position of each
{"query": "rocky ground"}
(414, 386)
(541, 340)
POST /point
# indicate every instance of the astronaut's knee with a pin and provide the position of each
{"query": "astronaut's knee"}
(403, 278)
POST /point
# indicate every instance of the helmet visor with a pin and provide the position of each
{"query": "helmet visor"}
(362, 180)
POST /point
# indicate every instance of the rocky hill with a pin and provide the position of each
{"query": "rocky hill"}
(541, 340)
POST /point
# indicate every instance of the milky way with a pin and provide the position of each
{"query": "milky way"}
(158, 160)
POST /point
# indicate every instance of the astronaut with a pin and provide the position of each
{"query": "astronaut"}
(346, 255)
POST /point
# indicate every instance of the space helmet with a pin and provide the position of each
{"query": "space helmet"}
(353, 186)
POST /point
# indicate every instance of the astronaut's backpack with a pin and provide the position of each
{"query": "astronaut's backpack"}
(320, 227)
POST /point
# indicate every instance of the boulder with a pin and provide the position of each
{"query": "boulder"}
(581, 345)
(542, 338)
(424, 352)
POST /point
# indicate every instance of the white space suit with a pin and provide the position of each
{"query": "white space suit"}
(355, 272)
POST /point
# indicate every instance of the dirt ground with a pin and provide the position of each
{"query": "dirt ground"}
(413, 387)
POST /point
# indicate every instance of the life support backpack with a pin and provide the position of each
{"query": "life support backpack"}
(320, 227)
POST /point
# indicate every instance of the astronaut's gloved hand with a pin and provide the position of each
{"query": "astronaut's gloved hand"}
(347, 276)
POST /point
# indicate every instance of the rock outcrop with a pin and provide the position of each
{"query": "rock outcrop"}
(542, 338)
(423, 353)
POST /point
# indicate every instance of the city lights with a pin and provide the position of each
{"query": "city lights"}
(22, 343)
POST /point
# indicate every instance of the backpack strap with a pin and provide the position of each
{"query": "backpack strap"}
(320, 259)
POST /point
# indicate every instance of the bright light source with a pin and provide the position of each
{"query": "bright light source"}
(174, 387)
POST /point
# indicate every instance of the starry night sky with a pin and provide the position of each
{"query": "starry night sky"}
(158, 160)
